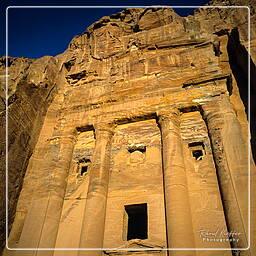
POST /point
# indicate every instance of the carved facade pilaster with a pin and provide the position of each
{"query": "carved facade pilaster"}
(178, 212)
(92, 233)
(43, 217)
(230, 152)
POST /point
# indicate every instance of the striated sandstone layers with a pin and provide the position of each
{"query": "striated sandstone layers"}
(145, 110)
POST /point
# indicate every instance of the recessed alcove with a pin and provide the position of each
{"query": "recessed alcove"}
(140, 148)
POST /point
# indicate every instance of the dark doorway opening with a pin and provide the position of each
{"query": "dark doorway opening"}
(137, 221)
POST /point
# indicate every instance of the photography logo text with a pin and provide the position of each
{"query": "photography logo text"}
(219, 235)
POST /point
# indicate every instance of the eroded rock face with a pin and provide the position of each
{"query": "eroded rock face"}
(84, 123)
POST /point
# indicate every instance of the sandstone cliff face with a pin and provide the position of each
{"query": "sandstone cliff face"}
(126, 65)
(31, 89)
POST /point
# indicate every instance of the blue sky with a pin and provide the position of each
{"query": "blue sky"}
(36, 32)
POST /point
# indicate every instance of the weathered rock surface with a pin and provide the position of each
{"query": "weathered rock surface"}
(130, 69)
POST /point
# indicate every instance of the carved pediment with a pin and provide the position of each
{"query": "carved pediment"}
(136, 245)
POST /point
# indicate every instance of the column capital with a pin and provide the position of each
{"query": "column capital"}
(104, 127)
(60, 139)
(168, 114)
(218, 108)
(169, 119)
(68, 136)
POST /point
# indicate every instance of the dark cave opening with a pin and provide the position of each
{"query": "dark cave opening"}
(238, 59)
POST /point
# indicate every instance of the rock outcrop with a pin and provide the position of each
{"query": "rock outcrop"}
(127, 67)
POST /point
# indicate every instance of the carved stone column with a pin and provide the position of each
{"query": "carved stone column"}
(178, 212)
(230, 152)
(92, 233)
(42, 221)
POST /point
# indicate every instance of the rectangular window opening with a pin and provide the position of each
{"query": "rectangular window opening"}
(197, 150)
(83, 165)
(197, 154)
(137, 224)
